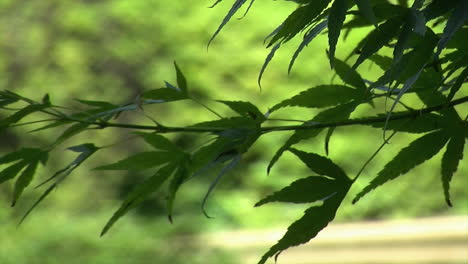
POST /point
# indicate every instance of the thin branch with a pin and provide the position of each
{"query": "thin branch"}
(360, 121)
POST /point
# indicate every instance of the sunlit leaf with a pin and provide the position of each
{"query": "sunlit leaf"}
(409, 157)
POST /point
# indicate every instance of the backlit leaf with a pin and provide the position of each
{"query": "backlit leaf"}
(181, 81)
(245, 109)
(349, 75)
(140, 161)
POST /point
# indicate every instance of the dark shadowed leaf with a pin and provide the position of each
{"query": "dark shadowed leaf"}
(366, 10)
(269, 57)
(378, 38)
(321, 96)
(312, 222)
(245, 109)
(338, 113)
(181, 81)
(306, 190)
(180, 176)
(409, 157)
(140, 193)
(458, 84)
(162, 95)
(308, 37)
(158, 141)
(335, 23)
(420, 124)
(24, 180)
(298, 20)
(349, 75)
(321, 165)
(456, 20)
(141, 161)
(235, 7)
(450, 161)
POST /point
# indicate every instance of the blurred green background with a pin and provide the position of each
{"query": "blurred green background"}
(113, 50)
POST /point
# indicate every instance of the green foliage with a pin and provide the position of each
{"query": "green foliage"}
(418, 59)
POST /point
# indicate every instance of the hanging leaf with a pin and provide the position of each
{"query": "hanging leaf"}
(298, 20)
(308, 37)
(458, 84)
(140, 194)
(269, 57)
(320, 96)
(180, 176)
(378, 38)
(306, 190)
(321, 165)
(327, 139)
(349, 75)
(23, 181)
(336, 19)
(24, 158)
(450, 161)
(303, 230)
(235, 7)
(409, 157)
(456, 20)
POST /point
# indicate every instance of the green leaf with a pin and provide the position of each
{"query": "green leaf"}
(181, 175)
(235, 7)
(303, 230)
(298, 20)
(158, 141)
(452, 157)
(162, 95)
(437, 8)
(22, 114)
(378, 38)
(11, 171)
(245, 109)
(456, 20)
(338, 113)
(327, 138)
(141, 161)
(335, 23)
(23, 181)
(409, 157)
(321, 96)
(308, 37)
(269, 57)
(71, 131)
(349, 75)
(321, 165)
(366, 10)
(458, 84)
(181, 81)
(421, 124)
(140, 193)
(306, 190)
